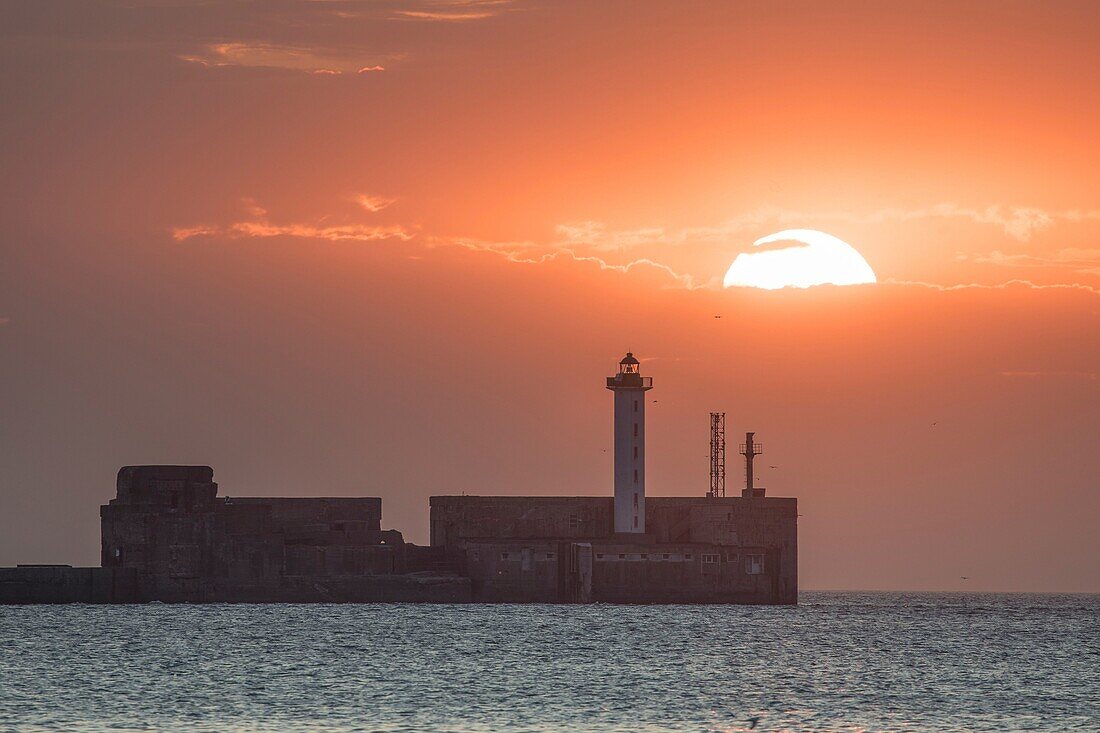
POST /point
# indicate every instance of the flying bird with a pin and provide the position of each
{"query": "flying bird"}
(965, 577)
(773, 466)
(718, 316)
(754, 721)
(933, 425)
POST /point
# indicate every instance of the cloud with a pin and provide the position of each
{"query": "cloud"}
(202, 230)
(588, 241)
(260, 226)
(373, 203)
(356, 232)
(519, 253)
(1091, 376)
(1077, 259)
(1019, 223)
(1026, 284)
(453, 10)
(259, 54)
(336, 233)
(438, 15)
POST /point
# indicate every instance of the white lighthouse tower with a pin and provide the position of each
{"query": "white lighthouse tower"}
(629, 387)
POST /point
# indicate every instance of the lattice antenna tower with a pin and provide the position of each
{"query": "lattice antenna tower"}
(717, 454)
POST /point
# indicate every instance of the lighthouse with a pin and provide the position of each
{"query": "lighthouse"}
(629, 387)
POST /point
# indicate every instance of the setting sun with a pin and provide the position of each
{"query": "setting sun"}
(817, 258)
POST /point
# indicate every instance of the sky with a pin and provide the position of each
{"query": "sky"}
(341, 247)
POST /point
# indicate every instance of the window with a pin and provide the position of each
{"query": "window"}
(687, 556)
(474, 555)
(645, 556)
(599, 556)
(635, 405)
(622, 557)
(754, 564)
(574, 521)
(549, 556)
(635, 453)
(635, 475)
(504, 556)
(635, 430)
(665, 556)
(731, 557)
(710, 559)
(635, 521)
(635, 498)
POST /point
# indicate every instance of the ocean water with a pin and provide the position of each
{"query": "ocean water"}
(836, 662)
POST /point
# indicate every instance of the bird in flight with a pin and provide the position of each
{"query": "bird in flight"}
(754, 721)
(773, 466)
(933, 424)
(718, 316)
(965, 577)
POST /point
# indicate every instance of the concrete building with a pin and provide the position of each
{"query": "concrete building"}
(168, 536)
(565, 549)
(623, 549)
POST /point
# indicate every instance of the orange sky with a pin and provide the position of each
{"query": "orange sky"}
(393, 249)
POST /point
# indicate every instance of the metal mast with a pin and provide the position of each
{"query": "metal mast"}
(717, 454)
(750, 450)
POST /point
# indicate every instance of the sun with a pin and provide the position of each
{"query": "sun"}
(816, 258)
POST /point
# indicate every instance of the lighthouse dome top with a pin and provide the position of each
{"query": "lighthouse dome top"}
(629, 375)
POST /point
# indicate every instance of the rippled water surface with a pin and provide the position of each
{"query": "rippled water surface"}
(838, 661)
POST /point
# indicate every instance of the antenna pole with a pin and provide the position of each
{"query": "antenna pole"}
(750, 450)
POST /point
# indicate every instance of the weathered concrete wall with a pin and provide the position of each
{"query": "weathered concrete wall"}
(694, 550)
(455, 518)
(534, 571)
(63, 584)
(256, 549)
(339, 513)
(518, 571)
(694, 573)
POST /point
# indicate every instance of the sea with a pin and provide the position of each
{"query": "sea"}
(838, 661)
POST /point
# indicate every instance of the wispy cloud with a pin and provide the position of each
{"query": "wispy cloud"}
(373, 203)
(259, 54)
(335, 233)
(1023, 284)
(1082, 260)
(443, 15)
(595, 243)
(260, 226)
(1019, 223)
(454, 11)
(1091, 376)
(520, 253)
